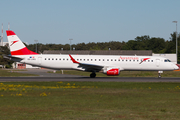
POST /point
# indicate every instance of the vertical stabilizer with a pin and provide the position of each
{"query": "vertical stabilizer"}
(16, 45)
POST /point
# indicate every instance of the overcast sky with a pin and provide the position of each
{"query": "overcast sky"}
(56, 21)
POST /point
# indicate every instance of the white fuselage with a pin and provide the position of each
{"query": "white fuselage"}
(123, 62)
(108, 64)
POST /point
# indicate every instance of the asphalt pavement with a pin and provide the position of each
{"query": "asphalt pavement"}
(44, 76)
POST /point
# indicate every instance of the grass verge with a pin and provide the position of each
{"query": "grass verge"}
(89, 100)
(13, 73)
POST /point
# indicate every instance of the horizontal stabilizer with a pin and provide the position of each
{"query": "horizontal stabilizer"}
(10, 56)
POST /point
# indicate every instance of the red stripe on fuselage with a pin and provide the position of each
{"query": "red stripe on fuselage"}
(23, 51)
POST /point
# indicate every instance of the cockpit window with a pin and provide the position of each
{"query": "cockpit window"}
(167, 60)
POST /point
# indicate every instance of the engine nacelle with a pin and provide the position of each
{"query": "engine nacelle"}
(112, 71)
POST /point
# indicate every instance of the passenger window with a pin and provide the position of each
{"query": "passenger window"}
(107, 59)
(99, 59)
(49, 59)
(45, 59)
(151, 60)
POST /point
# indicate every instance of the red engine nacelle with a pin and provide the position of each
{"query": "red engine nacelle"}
(113, 71)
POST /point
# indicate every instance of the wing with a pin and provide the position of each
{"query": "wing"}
(86, 66)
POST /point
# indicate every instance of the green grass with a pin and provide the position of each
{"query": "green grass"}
(13, 73)
(89, 100)
(125, 73)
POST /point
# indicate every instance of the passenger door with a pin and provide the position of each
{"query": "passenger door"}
(157, 62)
(39, 60)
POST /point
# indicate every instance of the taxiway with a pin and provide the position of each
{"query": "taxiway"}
(47, 77)
(98, 79)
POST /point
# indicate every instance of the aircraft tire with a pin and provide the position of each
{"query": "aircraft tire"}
(159, 76)
(92, 75)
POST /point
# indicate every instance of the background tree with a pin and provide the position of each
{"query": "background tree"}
(171, 45)
(4, 50)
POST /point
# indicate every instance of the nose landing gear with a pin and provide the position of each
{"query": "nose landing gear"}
(159, 72)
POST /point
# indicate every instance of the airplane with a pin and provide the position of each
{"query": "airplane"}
(110, 65)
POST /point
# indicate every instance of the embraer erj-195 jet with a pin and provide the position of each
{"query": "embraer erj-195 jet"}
(108, 64)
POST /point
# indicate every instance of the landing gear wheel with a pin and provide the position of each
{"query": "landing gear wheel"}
(159, 76)
(92, 75)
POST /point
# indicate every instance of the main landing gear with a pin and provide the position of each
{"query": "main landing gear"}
(93, 75)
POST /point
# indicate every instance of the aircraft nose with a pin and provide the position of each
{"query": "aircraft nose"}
(176, 67)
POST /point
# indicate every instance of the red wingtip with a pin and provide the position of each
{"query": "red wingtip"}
(74, 61)
(144, 60)
(10, 32)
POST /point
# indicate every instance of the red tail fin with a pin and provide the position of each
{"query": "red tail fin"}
(16, 45)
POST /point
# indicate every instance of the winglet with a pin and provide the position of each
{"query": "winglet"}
(73, 60)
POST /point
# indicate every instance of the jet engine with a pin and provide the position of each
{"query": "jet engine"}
(112, 71)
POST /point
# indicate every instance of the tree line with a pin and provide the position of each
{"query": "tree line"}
(157, 45)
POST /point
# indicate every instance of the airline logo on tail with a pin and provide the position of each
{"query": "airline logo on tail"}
(13, 42)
